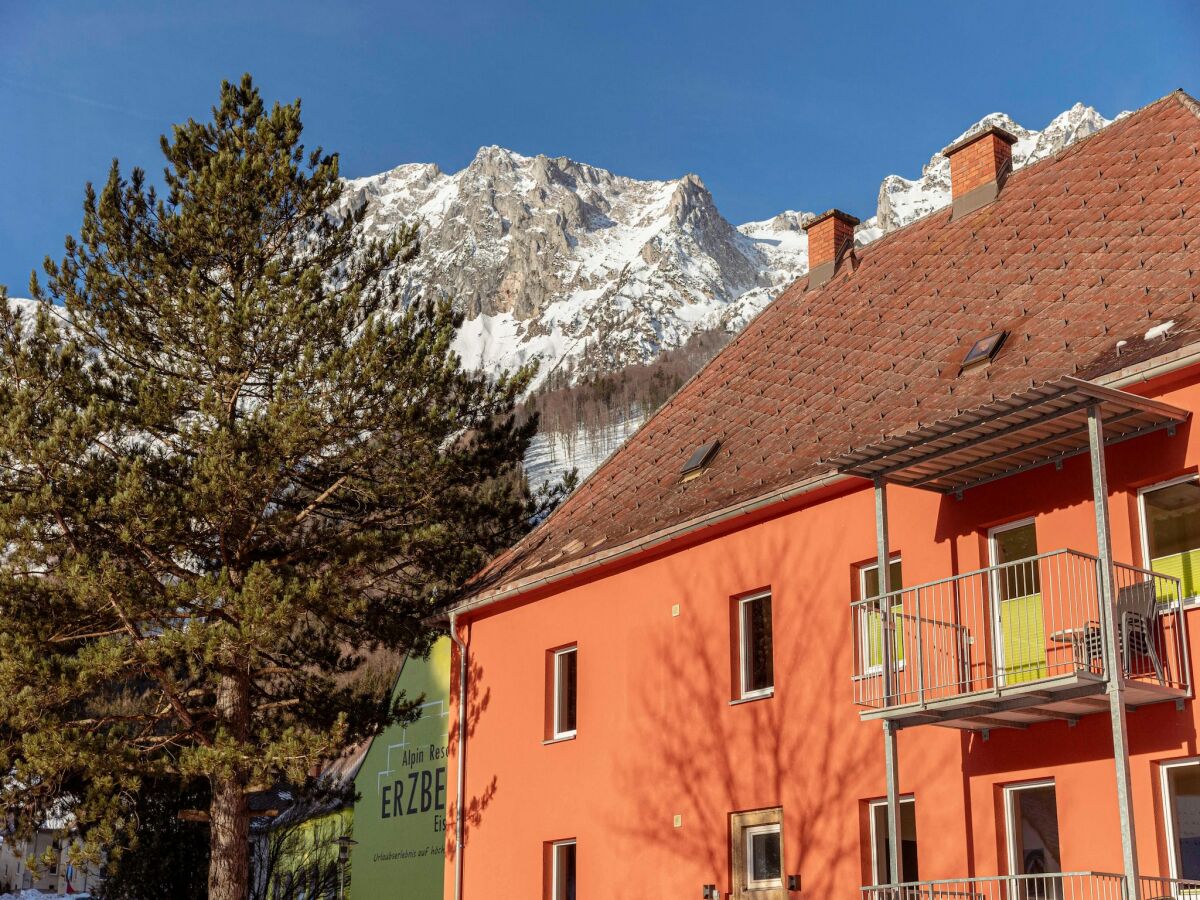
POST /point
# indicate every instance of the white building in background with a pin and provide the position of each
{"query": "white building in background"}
(65, 877)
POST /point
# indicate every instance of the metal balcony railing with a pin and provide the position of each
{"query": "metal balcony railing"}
(1153, 887)
(1158, 655)
(1011, 625)
(1056, 886)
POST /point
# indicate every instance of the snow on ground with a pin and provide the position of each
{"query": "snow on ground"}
(551, 456)
(31, 894)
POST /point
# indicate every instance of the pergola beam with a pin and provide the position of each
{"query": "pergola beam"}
(963, 451)
(1080, 431)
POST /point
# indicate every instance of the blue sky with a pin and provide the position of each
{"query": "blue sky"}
(775, 105)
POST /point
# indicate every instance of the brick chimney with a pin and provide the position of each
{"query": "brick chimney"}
(979, 164)
(830, 236)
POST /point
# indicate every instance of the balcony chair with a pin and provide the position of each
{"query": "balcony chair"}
(1137, 613)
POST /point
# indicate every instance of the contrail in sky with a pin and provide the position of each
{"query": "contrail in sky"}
(78, 98)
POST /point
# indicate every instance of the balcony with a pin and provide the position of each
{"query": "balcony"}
(1036, 638)
(1048, 886)
(1056, 886)
(1015, 644)
(1153, 887)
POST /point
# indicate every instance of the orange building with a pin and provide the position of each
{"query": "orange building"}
(696, 679)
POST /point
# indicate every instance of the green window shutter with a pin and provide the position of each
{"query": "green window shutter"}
(874, 637)
(1023, 639)
(1184, 566)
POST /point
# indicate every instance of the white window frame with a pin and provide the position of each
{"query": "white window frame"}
(744, 657)
(879, 865)
(554, 862)
(994, 534)
(557, 732)
(994, 586)
(1144, 530)
(1010, 791)
(1170, 828)
(748, 834)
(864, 568)
(865, 637)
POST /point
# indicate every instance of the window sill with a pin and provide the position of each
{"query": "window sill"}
(1187, 603)
(765, 696)
(561, 739)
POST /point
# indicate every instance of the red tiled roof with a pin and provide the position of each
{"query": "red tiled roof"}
(1087, 248)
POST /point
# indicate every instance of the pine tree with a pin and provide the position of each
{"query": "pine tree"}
(232, 467)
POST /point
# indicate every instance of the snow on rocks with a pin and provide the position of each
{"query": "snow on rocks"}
(903, 200)
(555, 260)
(565, 264)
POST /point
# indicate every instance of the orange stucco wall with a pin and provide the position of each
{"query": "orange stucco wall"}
(658, 737)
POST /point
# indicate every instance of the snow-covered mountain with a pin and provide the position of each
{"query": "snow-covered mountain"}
(588, 272)
(570, 264)
(902, 200)
(557, 260)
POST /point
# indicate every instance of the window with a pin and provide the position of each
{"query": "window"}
(1020, 630)
(764, 863)
(754, 639)
(1171, 531)
(868, 579)
(566, 664)
(1011, 544)
(984, 350)
(700, 458)
(872, 619)
(881, 842)
(562, 870)
(757, 855)
(1033, 844)
(1181, 803)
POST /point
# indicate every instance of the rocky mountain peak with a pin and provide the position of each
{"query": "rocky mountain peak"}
(903, 200)
(558, 260)
(690, 200)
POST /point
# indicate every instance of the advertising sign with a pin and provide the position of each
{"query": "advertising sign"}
(400, 816)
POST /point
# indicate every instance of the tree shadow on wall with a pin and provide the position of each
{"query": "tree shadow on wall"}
(703, 758)
(476, 803)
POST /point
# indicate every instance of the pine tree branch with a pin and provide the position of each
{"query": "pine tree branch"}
(158, 672)
(84, 636)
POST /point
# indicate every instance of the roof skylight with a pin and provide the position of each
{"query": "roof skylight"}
(984, 350)
(700, 458)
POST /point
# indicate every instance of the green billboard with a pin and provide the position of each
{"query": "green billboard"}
(400, 815)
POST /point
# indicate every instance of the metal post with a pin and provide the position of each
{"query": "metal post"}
(893, 800)
(887, 640)
(1113, 662)
(920, 647)
(460, 786)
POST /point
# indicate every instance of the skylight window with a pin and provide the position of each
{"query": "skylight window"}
(984, 350)
(700, 458)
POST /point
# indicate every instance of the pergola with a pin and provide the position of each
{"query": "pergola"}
(1044, 425)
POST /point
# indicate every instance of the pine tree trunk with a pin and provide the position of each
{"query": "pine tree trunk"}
(229, 813)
